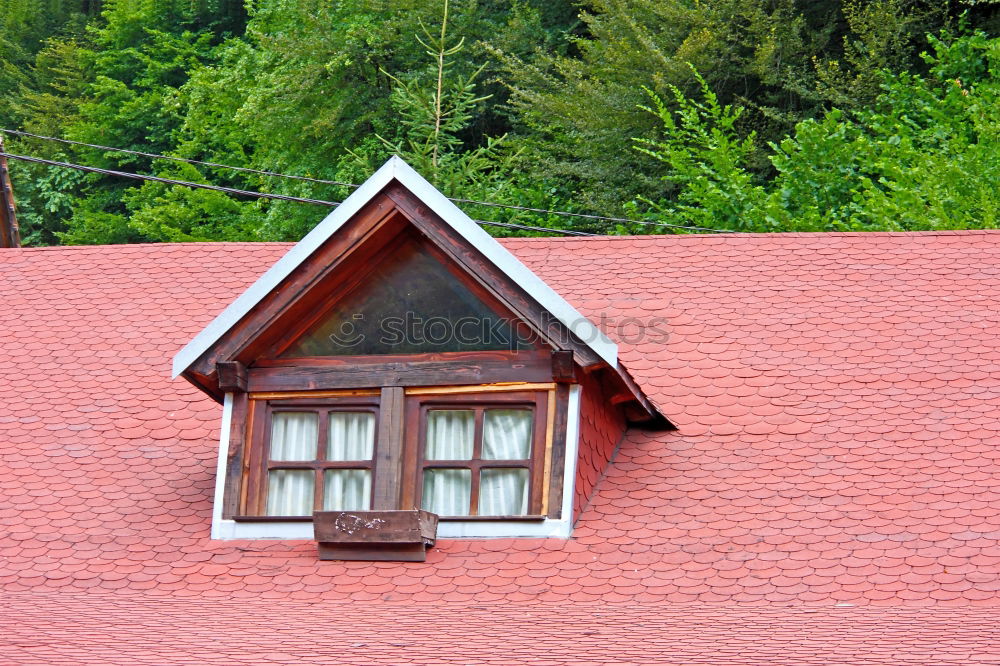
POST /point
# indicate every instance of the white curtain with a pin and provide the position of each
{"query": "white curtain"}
(347, 490)
(352, 436)
(447, 492)
(290, 492)
(450, 433)
(503, 492)
(507, 434)
(294, 435)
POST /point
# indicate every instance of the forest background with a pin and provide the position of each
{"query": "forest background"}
(738, 115)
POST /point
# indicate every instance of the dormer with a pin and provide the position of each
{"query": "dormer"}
(398, 357)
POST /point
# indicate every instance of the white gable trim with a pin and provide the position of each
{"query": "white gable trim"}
(399, 170)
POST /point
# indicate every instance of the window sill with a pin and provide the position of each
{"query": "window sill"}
(272, 519)
(506, 519)
(308, 519)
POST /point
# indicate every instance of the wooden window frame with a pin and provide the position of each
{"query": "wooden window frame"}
(400, 428)
(416, 443)
(259, 445)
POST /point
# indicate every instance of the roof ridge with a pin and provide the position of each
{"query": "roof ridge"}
(769, 234)
(49, 248)
(559, 239)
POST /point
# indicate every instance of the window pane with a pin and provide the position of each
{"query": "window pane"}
(290, 492)
(503, 492)
(410, 303)
(507, 434)
(347, 490)
(449, 434)
(352, 436)
(447, 491)
(293, 436)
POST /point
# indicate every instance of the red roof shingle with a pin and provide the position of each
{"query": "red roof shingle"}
(78, 628)
(837, 399)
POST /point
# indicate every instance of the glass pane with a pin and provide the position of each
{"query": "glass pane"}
(503, 492)
(447, 491)
(410, 303)
(352, 436)
(290, 492)
(450, 434)
(347, 490)
(293, 435)
(507, 434)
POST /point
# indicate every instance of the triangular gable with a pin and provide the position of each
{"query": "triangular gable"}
(395, 169)
(408, 286)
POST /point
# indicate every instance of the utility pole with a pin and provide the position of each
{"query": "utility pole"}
(10, 235)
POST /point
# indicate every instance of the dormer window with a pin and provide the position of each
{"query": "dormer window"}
(319, 457)
(482, 456)
(398, 358)
(460, 455)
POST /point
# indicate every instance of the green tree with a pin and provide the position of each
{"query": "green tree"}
(925, 156)
(139, 56)
(707, 161)
(784, 60)
(435, 106)
(306, 86)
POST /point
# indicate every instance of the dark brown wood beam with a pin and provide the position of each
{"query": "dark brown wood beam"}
(395, 373)
(563, 367)
(375, 217)
(623, 390)
(234, 460)
(232, 376)
(558, 453)
(207, 383)
(389, 456)
(10, 234)
(644, 413)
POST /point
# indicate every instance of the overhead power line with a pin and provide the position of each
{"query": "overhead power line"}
(541, 211)
(250, 193)
(586, 216)
(528, 227)
(185, 160)
(168, 181)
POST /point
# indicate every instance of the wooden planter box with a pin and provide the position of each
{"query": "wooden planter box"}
(400, 536)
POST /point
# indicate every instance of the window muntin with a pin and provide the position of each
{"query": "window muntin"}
(318, 457)
(481, 458)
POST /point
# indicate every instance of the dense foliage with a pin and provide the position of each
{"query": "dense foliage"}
(750, 115)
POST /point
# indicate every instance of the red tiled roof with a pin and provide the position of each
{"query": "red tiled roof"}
(837, 398)
(79, 628)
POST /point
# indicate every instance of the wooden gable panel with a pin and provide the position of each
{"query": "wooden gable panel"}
(372, 228)
(341, 265)
(409, 302)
